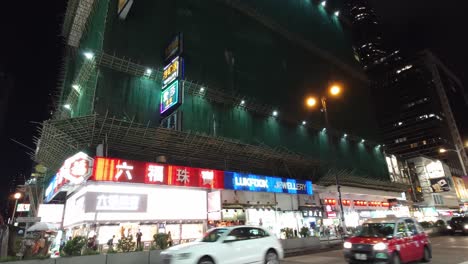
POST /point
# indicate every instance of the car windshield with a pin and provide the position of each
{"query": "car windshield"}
(377, 230)
(214, 235)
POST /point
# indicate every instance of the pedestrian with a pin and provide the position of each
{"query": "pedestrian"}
(169, 239)
(110, 243)
(138, 238)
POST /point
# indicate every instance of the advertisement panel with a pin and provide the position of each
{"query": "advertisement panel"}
(118, 170)
(439, 185)
(115, 202)
(51, 213)
(169, 97)
(460, 188)
(74, 171)
(175, 47)
(23, 207)
(173, 71)
(258, 183)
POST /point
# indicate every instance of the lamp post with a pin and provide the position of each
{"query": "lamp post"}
(334, 90)
(16, 196)
(458, 151)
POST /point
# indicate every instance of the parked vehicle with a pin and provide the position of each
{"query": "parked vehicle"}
(388, 240)
(458, 225)
(228, 245)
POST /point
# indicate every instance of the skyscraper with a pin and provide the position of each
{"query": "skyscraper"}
(368, 43)
(415, 99)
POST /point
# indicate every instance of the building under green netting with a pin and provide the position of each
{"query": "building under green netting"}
(243, 60)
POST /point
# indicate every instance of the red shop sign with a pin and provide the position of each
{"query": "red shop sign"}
(118, 170)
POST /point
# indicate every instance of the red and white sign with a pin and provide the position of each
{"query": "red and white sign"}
(75, 170)
(118, 170)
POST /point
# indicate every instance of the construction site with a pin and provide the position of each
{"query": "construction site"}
(247, 73)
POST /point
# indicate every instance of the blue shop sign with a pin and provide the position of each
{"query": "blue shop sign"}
(257, 183)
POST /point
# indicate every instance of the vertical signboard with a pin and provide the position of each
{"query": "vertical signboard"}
(173, 74)
(170, 97)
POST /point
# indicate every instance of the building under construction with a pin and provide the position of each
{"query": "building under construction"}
(247, 68)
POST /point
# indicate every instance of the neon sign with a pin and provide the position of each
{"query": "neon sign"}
(169, 97)
(173, 71)
(257, 183)
(74, 171)
(118, 170)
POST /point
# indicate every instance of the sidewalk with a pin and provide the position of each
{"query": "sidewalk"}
(325, 245)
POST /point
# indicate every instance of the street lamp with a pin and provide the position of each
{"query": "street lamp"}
(458, 151)
(16, 196)
(334, 90)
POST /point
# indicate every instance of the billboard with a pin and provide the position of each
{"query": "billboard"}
(74, 171)
(258, 183)
(170, 97)
(175, 47)
(23, 207)
(173, 71)
(51, 213)
(439, 185)
(460, 188)
(115, 202)
(119, 170)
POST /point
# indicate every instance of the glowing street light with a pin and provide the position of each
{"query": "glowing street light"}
(242, 102)
(67, 106)
(337, 13)
(148, 71)
(324, 3)
(17, 196)
(202, 90)
(335, 90)
(311, 101)
(304, 123)
(275, 113)
(442, 150)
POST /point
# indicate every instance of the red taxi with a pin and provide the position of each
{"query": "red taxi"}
(388, 240)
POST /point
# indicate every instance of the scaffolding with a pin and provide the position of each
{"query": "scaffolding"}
(349, 178)
(76, 20)
(127, 139)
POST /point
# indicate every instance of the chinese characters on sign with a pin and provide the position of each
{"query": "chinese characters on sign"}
(173, 71)
(174, 48)
(117, 170)
(74, 171)
(169, 96)
(155, 173)
(115, 202)
(183, 176)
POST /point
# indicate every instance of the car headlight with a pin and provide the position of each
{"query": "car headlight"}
(347, 245)
(465, 226)
(380, 246)
(183, 255)
(449, 227)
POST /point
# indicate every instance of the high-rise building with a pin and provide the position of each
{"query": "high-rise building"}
(368, 43)
(243, 71)
(415, 100)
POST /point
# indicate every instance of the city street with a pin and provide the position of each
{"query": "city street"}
(446, 250)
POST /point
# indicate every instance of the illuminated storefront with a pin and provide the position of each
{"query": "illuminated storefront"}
(272, 202)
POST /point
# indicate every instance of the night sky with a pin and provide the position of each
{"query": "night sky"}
(31, 50)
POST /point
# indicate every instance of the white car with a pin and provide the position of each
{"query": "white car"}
(228, 245)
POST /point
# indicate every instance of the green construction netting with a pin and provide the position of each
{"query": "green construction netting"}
(224, 48)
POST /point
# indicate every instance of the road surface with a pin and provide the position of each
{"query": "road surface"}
(446, 250)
